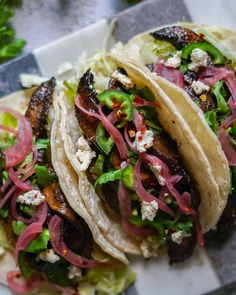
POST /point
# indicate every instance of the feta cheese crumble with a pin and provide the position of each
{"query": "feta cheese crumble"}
(123, 79)
(84, 153)
(156, 169)
(143, 140)
(49, 255)
(178, 236)
(199, 87)
(2, 251)
(199, 59)
(174, 61)
(149, 210)
(149, 249)
(74, 272)
(33, 197)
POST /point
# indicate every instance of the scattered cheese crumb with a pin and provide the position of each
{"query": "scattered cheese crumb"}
(174, 61)
(2, 251)
(178, 236)
(199, 87)
(199, 59)
(49, 255)
(156, 169)
(149, 210)
(149, 249)
(123, 79)
(84, 153)
(33, 197)
(143, 140)
(74, 272)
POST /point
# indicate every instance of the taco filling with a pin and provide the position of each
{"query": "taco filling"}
(203, 70)
(50, 241)
(135, 167)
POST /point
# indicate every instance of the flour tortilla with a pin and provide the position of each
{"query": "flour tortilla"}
(191, 113)
(68, 179)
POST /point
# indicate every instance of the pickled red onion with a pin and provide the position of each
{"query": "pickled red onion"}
(210, 75)
(24, 287)
(39, 216)
(27, 237)
(153, 160)
(138, 120)
(230, 82)
(18, 182)
(225, 140)
(143, 194)
(23, 144)
(55, 228)
(8, 129)
(126, 212)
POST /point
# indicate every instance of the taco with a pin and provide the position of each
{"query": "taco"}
(195, 66)
(138, 162)
(45, 229)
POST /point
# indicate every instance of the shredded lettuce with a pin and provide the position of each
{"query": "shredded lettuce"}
(218, 91)
(149, 52)
(70, 90)
(98, 166)
(106, 281)
(108, 176)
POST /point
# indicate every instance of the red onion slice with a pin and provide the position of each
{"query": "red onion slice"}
(24, 287)
(30, 165)
(39, 216)
(126, 212)
(153, 160)
(8, 129)
(171, 74)
(113, 132)
(115, 135)
(143, 194)
(55, 228)
(18, 182)
(200, 237)
(230, 82)
(210, 75)
(138, 120)
(27, 237)
(23, 144)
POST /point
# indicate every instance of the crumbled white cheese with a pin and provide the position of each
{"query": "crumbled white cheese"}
(178, 236)
(156, 169)
(2, 251)
(84, 153)
(199, 59)
(29, 80)
(123, 79)
(199, 87)
(33, 197)
(149, 210)
(149, 249)
(174, 61)
(49, 255)
(74, 272)
(143, 140)
(64, 67)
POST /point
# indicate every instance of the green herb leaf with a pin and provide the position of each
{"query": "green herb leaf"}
(151, 118)
(211, 119)
(104, 142)
(109, 176)
(25, 268)
(5, 14)
(12, 49)
(42, 143)
(18, 227)
(40, 242)
(128, 177)
(27, 209)
(222, 106)
(4, 213)
(58, 272)
(44, 177)
(98, 166)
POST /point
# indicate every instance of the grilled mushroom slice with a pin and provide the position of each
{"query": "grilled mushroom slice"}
(177, 36)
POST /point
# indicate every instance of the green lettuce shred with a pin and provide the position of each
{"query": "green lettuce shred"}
(106, 281)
